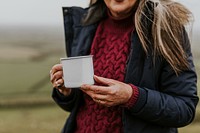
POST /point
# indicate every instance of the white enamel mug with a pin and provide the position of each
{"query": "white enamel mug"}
(77, 71)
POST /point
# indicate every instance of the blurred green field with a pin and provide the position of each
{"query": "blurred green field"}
(46, 119)
(25, 98)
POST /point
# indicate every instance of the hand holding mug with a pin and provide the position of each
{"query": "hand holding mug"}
(56, 77)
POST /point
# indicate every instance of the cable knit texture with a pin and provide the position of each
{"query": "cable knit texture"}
(110, 50)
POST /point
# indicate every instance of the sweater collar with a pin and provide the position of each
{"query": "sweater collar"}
(119, 25)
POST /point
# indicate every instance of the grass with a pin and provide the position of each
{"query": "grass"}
(25, 99)
(193, 128)
(47, 119)
(22, 84)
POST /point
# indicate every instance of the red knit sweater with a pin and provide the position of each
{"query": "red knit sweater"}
(110, 50)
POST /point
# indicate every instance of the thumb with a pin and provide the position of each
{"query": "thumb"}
(104, 81)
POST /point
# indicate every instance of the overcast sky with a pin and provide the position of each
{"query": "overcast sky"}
(36, 12)
(49, 12)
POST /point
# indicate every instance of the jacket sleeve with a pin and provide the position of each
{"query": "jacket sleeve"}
(66, 103)
(174, 102)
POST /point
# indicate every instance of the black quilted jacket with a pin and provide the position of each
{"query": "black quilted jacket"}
(166, 101)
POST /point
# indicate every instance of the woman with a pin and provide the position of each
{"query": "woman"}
(145, 80)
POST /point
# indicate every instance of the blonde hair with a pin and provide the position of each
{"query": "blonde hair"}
(159, 21)
(168, 21)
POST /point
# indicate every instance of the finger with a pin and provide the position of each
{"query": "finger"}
(99, 101)
(94, 95)
(60, 82)
(55, 68)
(105, 99)
(96, 89)
(104, 103)
(56, 84)
(56, 76)
(104, 81)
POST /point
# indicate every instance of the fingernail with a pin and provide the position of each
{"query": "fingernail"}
(58, 84)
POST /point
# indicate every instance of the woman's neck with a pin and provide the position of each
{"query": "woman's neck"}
(119, 25)
(119, 16)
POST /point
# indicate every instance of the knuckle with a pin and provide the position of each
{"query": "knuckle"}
(56, 67)
(52, 78)
(112, 92)
(93, 96)
(58, 75)
(96, 90)
(53, 68)
(61, 81)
